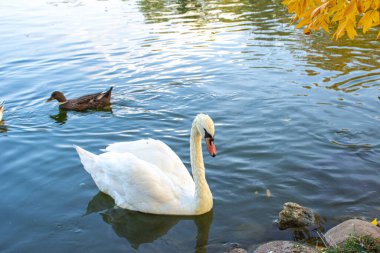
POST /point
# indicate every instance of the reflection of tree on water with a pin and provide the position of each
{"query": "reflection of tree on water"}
(354, 64)
(139, 228)
(201, 12)
(269, 22)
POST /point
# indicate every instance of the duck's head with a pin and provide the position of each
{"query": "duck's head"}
(205, 127)
(57, 95)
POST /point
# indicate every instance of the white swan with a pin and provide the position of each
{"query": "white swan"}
(1, 110)
(147, 176)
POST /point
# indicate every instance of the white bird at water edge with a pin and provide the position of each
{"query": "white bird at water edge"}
(147, 176)
(1, 110)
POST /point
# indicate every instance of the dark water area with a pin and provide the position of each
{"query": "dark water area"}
(297, 116)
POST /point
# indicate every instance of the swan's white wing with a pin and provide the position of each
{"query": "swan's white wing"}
(136, 184)
(155, 152)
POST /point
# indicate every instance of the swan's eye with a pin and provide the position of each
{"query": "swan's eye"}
(207, 135)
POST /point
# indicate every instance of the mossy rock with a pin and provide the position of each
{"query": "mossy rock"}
(294, 215)
(354, 244)
(351, 228)
(284, 247)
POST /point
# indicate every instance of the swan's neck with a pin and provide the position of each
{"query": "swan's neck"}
(203, 196)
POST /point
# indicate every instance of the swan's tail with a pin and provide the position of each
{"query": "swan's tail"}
(88, 159)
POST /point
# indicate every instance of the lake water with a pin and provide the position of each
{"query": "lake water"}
(296, 116)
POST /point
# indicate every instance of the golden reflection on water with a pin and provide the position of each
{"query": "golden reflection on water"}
(247, 28)
(357, 82)
(200, 14)
(348, 65)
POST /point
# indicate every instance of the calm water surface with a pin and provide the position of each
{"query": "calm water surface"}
(295, 115)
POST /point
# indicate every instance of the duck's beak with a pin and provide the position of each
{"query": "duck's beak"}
(50, 99)
(211, 146)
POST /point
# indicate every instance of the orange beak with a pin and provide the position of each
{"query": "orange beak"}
(211, 146)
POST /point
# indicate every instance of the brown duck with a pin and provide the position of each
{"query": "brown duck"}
(94, 101)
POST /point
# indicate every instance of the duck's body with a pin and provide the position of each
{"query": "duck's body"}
(1, 110)
(93, 101)
(147, 176)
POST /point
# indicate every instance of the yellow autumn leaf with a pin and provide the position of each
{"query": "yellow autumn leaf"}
(360, 6)
(338, 16)
(302, 23)
(374, 222)
(351, 9)
(366, 21)
(375, 16)
(367, 4)
(319, 9)
(369, 19)
(350, 28)
(341, 16)
(375, 4)
(351, 32)
(325, 26)
(340, 30)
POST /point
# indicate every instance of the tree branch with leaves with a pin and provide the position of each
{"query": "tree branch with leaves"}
(342, 16)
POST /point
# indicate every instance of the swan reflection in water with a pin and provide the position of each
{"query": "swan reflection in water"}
(139, 228)
(3, 127)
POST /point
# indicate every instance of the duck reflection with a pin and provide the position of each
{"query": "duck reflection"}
(139, 228)
(61, 117)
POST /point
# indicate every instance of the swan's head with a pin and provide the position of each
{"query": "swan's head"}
(58, 96)
(205, 127)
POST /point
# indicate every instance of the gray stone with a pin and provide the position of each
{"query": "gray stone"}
(353, 227)
(225, 248)
(284, 247)
(295, 216)
(237, 250)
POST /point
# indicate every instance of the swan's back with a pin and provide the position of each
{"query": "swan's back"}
(138, 184)
(158, 153)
